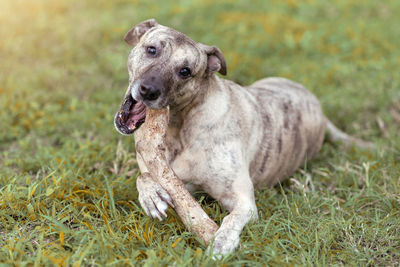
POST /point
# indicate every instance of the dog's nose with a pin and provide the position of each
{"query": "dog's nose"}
(149, 92)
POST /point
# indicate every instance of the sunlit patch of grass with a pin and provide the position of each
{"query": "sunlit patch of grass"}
(67, 179)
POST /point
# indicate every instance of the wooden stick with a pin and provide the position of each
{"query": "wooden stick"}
(151, 146)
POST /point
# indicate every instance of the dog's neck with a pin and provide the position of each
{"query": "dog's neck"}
(179, 112)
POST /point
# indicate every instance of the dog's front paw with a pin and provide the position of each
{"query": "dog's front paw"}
(152, 197)
(226, 241)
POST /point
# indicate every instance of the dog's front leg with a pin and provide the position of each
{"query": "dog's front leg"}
(152, 196)
(241, 204)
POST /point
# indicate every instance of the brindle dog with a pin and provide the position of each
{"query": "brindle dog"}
(223, 138)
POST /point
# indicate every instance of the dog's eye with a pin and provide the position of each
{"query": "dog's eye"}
(151, 50)
(185, 72)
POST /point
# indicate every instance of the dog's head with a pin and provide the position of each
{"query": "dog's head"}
(165, 68)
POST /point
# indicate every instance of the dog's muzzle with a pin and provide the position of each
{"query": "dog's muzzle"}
(149, 92)
(131, 115)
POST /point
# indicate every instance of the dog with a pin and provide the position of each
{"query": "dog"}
(222, 138)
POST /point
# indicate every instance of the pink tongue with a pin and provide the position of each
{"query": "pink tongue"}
(137, 114)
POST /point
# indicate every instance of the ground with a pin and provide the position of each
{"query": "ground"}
(67, 178)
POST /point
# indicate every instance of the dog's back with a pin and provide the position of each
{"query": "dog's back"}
(293, 126)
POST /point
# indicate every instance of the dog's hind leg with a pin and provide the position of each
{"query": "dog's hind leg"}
(337, 136)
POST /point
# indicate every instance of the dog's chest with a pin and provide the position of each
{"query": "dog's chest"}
(173, 143)
(186, 155)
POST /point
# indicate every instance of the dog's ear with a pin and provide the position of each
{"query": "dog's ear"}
(215, 59)
(133, 36)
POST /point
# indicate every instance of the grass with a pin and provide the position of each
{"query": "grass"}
(67, 179)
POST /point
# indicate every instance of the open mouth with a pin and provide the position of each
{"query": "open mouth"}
(131, 115)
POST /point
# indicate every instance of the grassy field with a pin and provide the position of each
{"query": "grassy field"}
(67, 178)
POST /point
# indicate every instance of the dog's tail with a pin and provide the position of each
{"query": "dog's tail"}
(337, 136)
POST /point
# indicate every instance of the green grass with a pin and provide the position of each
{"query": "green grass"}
(67, 178)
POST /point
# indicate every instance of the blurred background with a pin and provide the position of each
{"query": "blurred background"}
(63, 63)
(63, 75)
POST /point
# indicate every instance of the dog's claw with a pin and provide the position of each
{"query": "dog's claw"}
(165, 196)
(153, 198)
